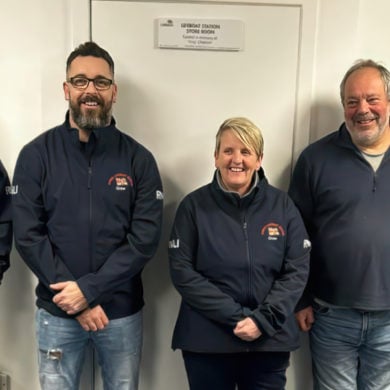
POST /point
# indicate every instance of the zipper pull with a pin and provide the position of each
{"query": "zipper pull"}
(89, 177)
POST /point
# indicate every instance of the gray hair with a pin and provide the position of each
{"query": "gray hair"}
(359, 64)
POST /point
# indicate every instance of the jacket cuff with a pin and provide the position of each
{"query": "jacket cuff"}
(305, 301)
(264, 326)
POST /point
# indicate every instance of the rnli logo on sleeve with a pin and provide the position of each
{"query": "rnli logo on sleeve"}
(159, 195)
(11, 190)
(272, 231)
(174, 244)
(121, 181)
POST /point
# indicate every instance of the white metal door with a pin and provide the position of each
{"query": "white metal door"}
(173, 101)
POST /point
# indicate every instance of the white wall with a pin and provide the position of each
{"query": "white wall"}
(36, 36)
(34, 44)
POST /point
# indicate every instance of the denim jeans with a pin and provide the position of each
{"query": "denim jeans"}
(62, 343)
(350, 349)
(242, 371)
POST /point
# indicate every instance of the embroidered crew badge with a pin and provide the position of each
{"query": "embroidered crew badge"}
(273, 231)
(121, 181)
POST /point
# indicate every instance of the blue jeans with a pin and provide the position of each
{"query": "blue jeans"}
(350, 349)
(62, 343)
(242, 371)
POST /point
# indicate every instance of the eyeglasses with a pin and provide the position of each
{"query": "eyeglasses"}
(100, 83)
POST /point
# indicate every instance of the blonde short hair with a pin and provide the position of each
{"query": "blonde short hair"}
(245, 130)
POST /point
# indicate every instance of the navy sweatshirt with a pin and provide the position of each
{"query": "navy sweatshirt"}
(89, 213)
(5, 220)
(232, 258)
(345, 205)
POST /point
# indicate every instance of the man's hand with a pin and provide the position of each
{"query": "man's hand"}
(69, 298)
(247, 330)
(93, 319)
(305, 318)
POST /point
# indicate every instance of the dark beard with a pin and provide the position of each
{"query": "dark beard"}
(91, 119)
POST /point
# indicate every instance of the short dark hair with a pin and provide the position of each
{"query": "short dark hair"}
(90, 49)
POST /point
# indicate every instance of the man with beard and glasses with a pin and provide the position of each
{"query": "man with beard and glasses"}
(341, 184)
(87, 218)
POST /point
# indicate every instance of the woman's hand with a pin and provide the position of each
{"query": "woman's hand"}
(247, 330)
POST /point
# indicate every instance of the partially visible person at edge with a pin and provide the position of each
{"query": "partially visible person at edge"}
(239, 257)
(87, 218)
(341, 185)
(5, 221)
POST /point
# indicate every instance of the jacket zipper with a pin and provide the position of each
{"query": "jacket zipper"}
(249, 288)
(90, 210)
(374, 177)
